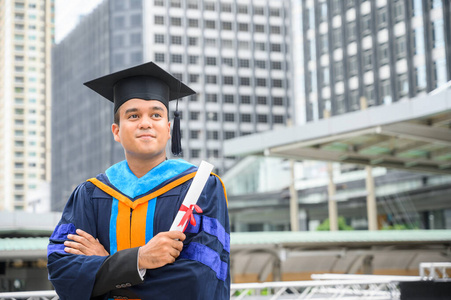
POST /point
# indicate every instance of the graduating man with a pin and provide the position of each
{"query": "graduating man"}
(112, 241)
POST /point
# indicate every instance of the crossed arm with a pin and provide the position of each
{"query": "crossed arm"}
(161, 250)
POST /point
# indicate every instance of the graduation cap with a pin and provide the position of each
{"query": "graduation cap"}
(147, 82)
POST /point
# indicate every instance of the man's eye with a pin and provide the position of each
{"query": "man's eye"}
(156, 115)
(134, 116)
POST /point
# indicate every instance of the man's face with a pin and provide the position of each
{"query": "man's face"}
(144, 129)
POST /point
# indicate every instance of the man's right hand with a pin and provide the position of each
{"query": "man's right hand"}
(161, 250)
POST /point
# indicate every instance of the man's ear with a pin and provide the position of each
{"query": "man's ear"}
(115, 131)
(169, 129)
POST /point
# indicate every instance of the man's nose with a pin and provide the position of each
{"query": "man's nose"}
(145, 123)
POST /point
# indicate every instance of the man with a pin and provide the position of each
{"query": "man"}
(113, 240)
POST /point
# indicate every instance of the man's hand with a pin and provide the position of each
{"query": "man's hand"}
(161, 250)
(84, 244)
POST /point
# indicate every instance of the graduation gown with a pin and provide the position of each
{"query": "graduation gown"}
(125, 212)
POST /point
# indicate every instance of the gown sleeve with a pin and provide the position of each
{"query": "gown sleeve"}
(73, 276)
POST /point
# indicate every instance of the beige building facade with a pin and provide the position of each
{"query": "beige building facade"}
(26, 38)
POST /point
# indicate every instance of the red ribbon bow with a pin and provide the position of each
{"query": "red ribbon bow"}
(189, 214)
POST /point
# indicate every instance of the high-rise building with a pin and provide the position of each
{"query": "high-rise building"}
(26, 37)
(235, 54)
(355, 54)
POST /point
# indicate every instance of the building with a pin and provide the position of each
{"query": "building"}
(26, 37)
(235, 54)
(356, 54)
(358, 64)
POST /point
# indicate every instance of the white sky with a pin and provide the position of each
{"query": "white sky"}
(68, 13)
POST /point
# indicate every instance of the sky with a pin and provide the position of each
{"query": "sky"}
(68, 13)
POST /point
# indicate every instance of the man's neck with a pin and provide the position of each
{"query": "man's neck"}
(141, 167)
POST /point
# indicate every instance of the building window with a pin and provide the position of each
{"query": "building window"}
(210, 24)
(276, 65)
(176, 3)
(369, 95)
(245, 118)
(244, 27)
(403, 85)
(229, 98)
(159, 38)
(176, 40)
(194, 115)
(210, 6)
(227, 61)
(228, 80)
(420, 74)
(176, 58)
(227, 44)
(193, 59)
(259, 10)
(194, 134)
(192, 41)
(438, 33)
(176, 21)
(366, 24)
(245, 81)
(226, 7)
(353, 67)
(210, 79)
(367, 60)
(159, 20)
(262, 118)
(229, 135)
(324, 43)
(276, 48)
(383, 53)
(352, 33)
(261, 81)
(354, 100)
(211, 116)
(242, 9)
(274, 12)
(277, 119)
(260, 64)
(193, 23)
(278, 101)
(229, 117)
(262, 100)
(277, 83)
(211, 61)
(193, 78)
(195, 153)
(260, 46)
(385, 92)
(193, 4)
(243, 45)
(226, 25)
(244, 63)
(336, 38)
(382, 18)
(440, 72)
(158, 2)
(275, 30)
(398, 11)
(401, 47)
(245, 99)
(212, 135)
(259, 28)
(213, 98)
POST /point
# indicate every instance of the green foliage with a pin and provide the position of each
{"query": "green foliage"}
(325, 225)
(400, 227)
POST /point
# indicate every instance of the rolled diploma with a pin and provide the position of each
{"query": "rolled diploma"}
(199, 181)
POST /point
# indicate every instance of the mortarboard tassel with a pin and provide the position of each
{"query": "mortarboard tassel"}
(176, 135)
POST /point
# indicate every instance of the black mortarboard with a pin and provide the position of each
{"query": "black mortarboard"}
(148, 82)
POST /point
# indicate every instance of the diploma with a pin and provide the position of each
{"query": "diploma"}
(185, 213)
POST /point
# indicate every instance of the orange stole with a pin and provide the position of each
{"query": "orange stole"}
(131, 218)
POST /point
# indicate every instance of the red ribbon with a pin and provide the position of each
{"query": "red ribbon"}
(189, 214)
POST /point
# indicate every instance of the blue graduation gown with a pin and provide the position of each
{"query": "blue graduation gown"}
(200, 272)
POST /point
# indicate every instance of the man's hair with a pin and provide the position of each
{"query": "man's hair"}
(117, 117)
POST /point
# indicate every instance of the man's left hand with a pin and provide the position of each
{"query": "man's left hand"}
(84, 244)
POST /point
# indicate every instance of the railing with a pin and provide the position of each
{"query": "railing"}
(323, 286)
(434, 270)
